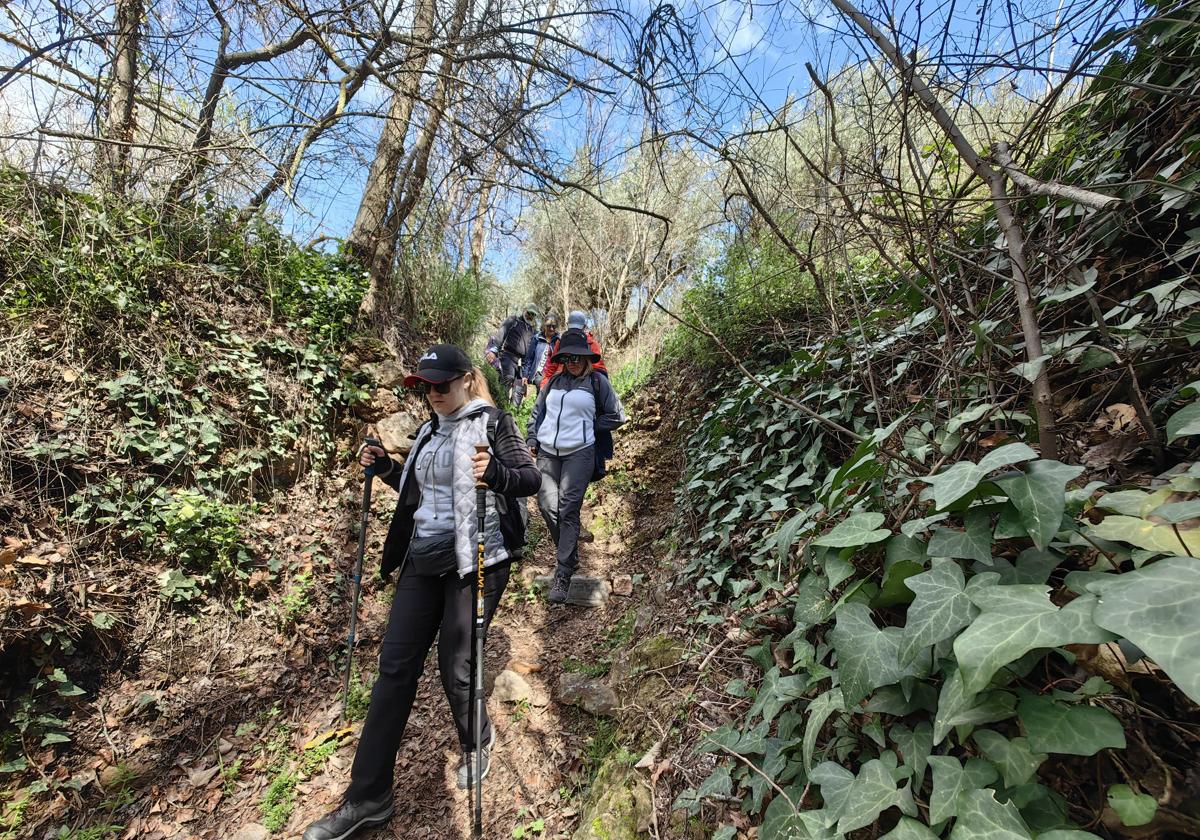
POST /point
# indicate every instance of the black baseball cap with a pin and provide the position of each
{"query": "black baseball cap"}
(441, 363)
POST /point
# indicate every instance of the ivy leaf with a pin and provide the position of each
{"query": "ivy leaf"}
(910, 829)
(951, 778)
(1039, 495)
(1017, 762)
(1157, 607)
(1067, 834)
(1166, 539)
(981, 817)
(1030, 370)
(915, 746)
(1134, 809)
(957, 707)
(1015, 620)
(781, 821)
(963, 477)
(975, 543)
(1072, 729)
(867, 656)
(1184, 422)
(940, 609)
(811, 604)
(817, 713)
(857, 529)
(872, 792)
(718, 783)
(834, 781)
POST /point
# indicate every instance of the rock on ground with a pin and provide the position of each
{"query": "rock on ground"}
(590, 695)
(511, 687)
(253, 831)
(584, 591)
(394, 431)
(618, 805)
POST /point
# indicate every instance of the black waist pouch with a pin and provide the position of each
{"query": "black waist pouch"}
(432, 556)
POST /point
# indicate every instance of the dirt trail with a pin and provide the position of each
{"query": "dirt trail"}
(264, 695)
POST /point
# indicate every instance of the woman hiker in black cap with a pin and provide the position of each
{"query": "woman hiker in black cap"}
(433, 540)
(570, 409)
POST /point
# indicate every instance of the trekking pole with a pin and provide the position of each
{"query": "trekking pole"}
(358, 565)
(481, 514)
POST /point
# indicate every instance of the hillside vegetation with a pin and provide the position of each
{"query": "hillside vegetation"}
(947, 628)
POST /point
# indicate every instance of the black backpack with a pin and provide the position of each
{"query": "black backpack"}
(514, 513)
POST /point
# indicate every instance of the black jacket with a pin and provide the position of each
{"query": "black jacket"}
(514, 336)
(511, 475)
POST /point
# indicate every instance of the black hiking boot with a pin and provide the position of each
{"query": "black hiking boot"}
(559, 587)
(586, 536)
(349, 818)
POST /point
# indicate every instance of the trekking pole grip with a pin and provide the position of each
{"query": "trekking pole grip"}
(374, 468)
(480, 448)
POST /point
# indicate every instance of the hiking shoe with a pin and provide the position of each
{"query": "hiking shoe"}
(586, 536)
(349, 818)
(464, 780)
(559, 588)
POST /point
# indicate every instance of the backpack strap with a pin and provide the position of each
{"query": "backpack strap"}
(493, 422)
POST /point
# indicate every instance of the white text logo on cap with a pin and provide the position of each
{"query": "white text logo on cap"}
(429, 357)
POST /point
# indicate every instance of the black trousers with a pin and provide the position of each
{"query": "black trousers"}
(422, 607)
(510, 369)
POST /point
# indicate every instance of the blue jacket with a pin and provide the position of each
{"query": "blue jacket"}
(535, 357)
(570, 411)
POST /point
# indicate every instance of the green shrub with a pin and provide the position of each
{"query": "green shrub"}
(279, 800)
(319, 292)
(751, 291)
(450, 305)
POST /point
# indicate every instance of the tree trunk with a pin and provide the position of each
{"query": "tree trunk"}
(479, 224)
(370, 221)
(112, 159)
(409, 184)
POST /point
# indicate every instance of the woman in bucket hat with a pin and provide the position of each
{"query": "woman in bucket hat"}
(570, 409)
(432, 539)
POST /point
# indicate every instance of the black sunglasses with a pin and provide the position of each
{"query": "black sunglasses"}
(423, 388)
(571, 360)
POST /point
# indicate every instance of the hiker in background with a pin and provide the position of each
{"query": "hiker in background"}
(539, 352)
(432, 539)
(509, 344)
(577, 320)
(571, 409)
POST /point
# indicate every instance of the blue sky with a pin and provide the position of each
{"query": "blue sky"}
(749, 47)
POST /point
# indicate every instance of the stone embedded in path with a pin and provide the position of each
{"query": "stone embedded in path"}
(590, 695)
(622, 585)
(522, 667)
(584, 591)
(511, 687)
(253, 831)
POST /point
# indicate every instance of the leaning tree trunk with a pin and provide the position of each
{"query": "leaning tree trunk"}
(112, 158)
(409, 184)
(371, 219)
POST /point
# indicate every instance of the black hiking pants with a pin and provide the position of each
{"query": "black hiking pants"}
(422, 608)
(510, 371)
